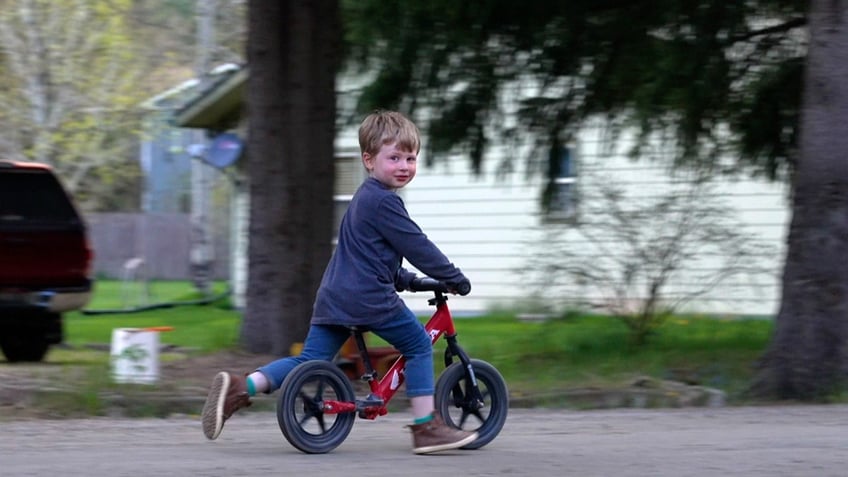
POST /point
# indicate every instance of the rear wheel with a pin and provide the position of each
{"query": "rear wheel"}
(300, 408)
(463, 407)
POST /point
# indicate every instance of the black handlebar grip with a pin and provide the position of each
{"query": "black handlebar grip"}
(426, 284)
(430, 284)
(463, 288)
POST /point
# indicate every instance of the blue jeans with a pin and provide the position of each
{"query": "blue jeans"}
(404, 332)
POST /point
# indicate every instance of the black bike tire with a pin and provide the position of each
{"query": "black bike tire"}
(292, 399)
(496, 398)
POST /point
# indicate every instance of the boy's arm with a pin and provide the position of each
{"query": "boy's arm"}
(407, 238)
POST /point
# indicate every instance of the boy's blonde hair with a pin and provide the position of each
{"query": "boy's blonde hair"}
(387, 127)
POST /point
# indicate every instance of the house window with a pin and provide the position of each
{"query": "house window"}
(561, 197)
(349, 175)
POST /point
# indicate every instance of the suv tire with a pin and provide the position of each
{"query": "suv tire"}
(24, 347)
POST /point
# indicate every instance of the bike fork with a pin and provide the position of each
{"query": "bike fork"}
(473, 395)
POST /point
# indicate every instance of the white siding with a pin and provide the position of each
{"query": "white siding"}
(490, 227)
(483, 225)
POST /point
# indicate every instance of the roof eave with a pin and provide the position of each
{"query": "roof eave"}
(218, 108)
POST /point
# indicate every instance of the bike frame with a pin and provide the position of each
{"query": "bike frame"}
(383, 389)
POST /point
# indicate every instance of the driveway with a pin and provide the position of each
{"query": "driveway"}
(749, 441)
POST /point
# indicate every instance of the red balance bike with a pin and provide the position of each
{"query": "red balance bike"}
(317, 404)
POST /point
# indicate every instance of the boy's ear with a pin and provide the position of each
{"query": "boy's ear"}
(368, 160)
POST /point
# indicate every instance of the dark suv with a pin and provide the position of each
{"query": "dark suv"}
(45, 260)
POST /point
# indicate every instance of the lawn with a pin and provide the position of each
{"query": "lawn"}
(568, 352)
(204, 328)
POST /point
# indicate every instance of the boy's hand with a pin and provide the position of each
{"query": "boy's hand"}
(462, 287)
(403, 279)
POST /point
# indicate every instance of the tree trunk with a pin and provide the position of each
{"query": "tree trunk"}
(293, 53)
(808, 356)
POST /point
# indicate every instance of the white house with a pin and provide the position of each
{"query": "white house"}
(494, 227)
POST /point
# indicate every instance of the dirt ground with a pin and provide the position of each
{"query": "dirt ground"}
(63, 388)
(36, 389)
(199, 370)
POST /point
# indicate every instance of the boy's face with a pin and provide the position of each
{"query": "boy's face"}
(393, 167)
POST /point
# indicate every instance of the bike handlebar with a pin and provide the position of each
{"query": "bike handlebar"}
(430, 284)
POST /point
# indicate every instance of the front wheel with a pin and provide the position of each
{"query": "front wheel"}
(300, 408)
(482, 410)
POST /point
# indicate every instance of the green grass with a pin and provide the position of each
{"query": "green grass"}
(569, 352)
(204, 328)
(593, 351)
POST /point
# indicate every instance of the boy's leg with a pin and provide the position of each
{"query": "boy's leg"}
(322, 342)
(429, 431)
(408, 336)
(230, 392)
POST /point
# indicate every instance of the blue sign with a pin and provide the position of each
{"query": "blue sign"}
(225, 150)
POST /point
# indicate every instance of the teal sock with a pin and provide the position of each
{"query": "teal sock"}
(422, 420)
(251, 388)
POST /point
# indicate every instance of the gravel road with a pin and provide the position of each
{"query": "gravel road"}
(750, 441)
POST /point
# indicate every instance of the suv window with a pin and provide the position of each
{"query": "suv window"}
(35, 196)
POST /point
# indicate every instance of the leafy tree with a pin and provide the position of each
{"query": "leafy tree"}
(166, 31)
(718, 75)
(723, 78)
(293, 52)
(70, 94)
(72, 76)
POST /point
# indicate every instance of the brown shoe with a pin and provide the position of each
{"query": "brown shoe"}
(227, 395)
(435, 436)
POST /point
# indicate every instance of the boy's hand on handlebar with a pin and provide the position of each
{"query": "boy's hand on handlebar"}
(403, 279)
(462, 287)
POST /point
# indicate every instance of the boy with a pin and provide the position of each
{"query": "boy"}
(360, 287)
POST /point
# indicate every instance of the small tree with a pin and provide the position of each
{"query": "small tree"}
(70, 90)
(626, 255)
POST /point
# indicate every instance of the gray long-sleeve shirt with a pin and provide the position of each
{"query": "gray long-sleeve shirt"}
(360, 283)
